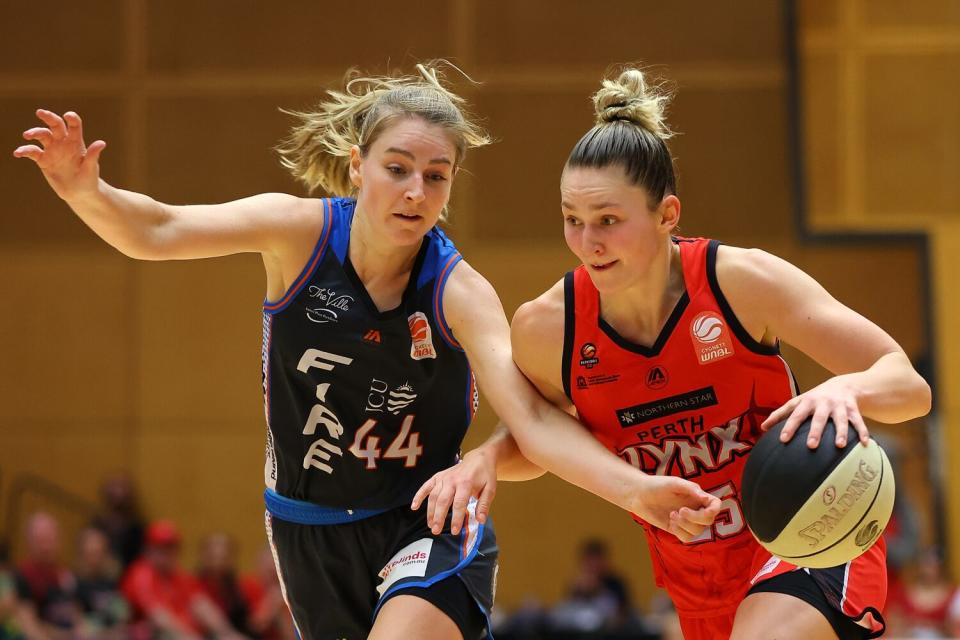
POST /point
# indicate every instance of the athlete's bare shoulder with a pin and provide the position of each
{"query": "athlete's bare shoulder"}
(540, 321)
(537, 338)
(761, 287)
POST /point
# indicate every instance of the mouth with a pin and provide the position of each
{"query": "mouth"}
(602, 266)
(409, 217)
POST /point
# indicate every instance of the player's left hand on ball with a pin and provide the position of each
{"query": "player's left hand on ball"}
(474, 477)
(834, 399)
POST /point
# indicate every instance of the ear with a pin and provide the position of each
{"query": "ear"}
(355, 159)
(669, 212)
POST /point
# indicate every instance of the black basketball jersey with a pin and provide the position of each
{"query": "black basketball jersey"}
(362, 407)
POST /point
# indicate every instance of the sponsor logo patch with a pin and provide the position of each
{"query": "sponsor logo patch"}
(588, 355)
(711, 337)
(372, 336)
(327, 304)
(411, 561)
(690, 401)
(421, 345)
(657, 378)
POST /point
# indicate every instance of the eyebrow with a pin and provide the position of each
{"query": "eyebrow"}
(407, 154)
(593, 207)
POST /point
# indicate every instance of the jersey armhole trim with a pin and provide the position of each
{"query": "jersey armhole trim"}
(569, 330)
(445, 331)
(310, 267)
(742, 334)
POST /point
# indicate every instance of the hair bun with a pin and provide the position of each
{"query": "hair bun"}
(629, 99)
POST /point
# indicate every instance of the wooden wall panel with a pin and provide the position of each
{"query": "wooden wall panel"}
(576, 33)
(899, 15)
(215, 149)
(732, 162)
(200, 330)
(62, 36)
(65, 336)
(296, 36)
(912, 129)
(531, 149)
(34, 215)
(821, 129)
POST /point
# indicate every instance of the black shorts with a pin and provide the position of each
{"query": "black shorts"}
(336, 577)
(801, 584)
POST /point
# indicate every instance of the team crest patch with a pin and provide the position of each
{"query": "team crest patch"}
(411, 561)
(421, 346)
(711, 337)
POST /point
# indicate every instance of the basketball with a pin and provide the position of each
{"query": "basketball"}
(818, 507)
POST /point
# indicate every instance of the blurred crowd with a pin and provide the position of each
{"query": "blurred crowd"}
(126, 581)
(597, 604)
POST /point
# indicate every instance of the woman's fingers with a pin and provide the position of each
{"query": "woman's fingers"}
(55, 122)
(41, 134)
(31, 151)
(94, 151)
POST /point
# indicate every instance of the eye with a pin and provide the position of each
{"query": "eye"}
(573, 222)
(437, 177)
(608, 220)
(396, 170)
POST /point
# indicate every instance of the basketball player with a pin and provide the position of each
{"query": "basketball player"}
(373, 328)
(667, 348)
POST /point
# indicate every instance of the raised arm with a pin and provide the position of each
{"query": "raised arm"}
(271, 224)
(873, 376)
(546, 435)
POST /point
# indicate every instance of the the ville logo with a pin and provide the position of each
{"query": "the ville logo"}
(657, 378)
(711, 338)
(421, 345)
(588, 355)
(332, 304)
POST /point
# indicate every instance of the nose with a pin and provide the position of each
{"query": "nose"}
(591, 240)
(414, 192)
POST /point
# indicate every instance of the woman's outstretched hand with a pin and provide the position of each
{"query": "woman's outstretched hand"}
(71, 168)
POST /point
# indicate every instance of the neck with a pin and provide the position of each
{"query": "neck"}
(374, 257)
(639, 311)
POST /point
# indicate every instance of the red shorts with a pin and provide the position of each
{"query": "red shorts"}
(857, 589)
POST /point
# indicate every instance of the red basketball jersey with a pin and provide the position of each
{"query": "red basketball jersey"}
(690, 405)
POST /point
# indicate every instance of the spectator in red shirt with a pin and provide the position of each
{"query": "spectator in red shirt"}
(168, 600)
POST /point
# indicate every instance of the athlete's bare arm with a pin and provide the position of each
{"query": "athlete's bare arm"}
(545, 432)
(873, 376)
(281, 227)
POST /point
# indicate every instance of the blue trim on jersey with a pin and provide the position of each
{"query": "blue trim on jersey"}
(445, 332)
(441, 249)
(432, 580)
(308, 269)
(300, 512)
(340, 237)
